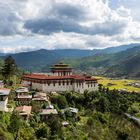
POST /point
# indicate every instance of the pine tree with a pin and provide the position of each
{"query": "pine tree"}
(9, 68)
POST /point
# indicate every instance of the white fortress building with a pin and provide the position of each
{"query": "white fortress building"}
(61, 78)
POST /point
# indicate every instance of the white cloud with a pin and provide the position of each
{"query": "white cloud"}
(52, 24)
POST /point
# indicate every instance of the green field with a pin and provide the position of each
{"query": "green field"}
(120, 84)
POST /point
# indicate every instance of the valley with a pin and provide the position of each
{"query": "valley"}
(64, 104)
(122, 61)
(129, 85)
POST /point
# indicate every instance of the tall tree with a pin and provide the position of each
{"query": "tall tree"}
(9, 69)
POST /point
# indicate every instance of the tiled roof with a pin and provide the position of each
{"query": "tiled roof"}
(40, 99)
(40, 94)
(47, 77)
(22, 89)
(4, 91)
(35, 76)
(24, 97)
(24, 109)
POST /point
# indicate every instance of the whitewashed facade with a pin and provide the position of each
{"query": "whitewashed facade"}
(61, 79)
(4, 99)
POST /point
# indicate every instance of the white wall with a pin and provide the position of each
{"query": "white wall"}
(3, 105)
(57, 87)
(37, 86)
(76, 87)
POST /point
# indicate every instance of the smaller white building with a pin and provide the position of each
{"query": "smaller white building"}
(4, 99)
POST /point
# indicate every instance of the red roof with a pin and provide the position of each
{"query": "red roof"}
(61, 70)
(35, 76)
(47, 77)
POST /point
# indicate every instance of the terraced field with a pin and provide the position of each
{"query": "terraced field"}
(120, 84)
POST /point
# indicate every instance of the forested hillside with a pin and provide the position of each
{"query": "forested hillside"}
(102, 114)
(122, 62)
(125, 63)
(37, 60)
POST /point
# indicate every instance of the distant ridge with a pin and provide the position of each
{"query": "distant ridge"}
(128, 64)
(121, 64)
(39, 59)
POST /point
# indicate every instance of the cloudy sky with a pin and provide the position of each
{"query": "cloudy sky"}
(56, 24)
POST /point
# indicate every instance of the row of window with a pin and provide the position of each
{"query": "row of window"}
(64, 83)
(70, 83)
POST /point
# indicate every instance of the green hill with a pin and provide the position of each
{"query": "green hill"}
(115, 61)
(37, 60)
(125, 63)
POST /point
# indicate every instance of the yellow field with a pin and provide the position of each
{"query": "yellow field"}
(120, 84)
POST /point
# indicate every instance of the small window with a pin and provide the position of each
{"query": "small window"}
(63, 82)
(59, 83)
(67, 82)
(53, 83)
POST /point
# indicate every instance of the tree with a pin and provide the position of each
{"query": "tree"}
(15, 124)
(9, 67)
(103, 104)
(26, 132)
(9, 71)
(90, 122)
(43, 132)
(122, 135)
(60, 101)
(55, 125)
(4, 135)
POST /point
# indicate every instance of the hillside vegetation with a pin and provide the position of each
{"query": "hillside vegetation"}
(100, 114)
(121, 61)
(122, 64)
(40, 59)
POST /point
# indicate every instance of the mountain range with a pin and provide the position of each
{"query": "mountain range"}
(121, 64)
(115, 61)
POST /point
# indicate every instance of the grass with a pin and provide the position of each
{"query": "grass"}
(118, 84)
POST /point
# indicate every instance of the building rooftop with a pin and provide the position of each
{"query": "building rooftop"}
(40, 99)
(40, 94)
(24, 96)
(22, 89)
(71, 109)
(65, 123)
(48, 111)
(50, 107)
(47, 77)
(24, 110)
(4, 91)
(60, 65)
